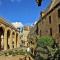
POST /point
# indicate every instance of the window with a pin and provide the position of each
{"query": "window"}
(37, 30)
(51, 31)
(50, 19)
(59, 13)
(59, 28)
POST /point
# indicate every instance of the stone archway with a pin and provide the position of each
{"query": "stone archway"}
(1, 38)
(8, 39)
(16, 39)
(13, 38)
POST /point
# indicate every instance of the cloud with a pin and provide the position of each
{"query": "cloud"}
(17, 24)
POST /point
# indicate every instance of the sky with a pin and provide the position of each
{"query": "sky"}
(23, 11)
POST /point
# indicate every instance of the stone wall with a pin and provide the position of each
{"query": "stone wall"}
(50, 21)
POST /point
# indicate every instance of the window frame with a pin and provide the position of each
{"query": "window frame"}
(50, 19)
(59, 13)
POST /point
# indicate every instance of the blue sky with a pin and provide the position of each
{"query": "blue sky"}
(25, 11)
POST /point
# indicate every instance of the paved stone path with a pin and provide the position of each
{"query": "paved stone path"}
(19, 57)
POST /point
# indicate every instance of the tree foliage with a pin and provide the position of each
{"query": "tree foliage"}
(45, 41)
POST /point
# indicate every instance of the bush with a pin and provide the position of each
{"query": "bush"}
(45, 41)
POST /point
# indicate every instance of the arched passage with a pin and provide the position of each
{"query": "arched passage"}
(16, 39)
(13, 37)
(8, 39)
(1, 38)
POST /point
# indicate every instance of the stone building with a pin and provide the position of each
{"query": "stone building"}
(49, 24)
(32, 39)
(9, 35)
(24, 35)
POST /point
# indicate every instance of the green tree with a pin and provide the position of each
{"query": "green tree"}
(45, 41)
(45, 46)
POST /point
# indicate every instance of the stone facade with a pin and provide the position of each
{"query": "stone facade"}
(49, 24)
(9, 35)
